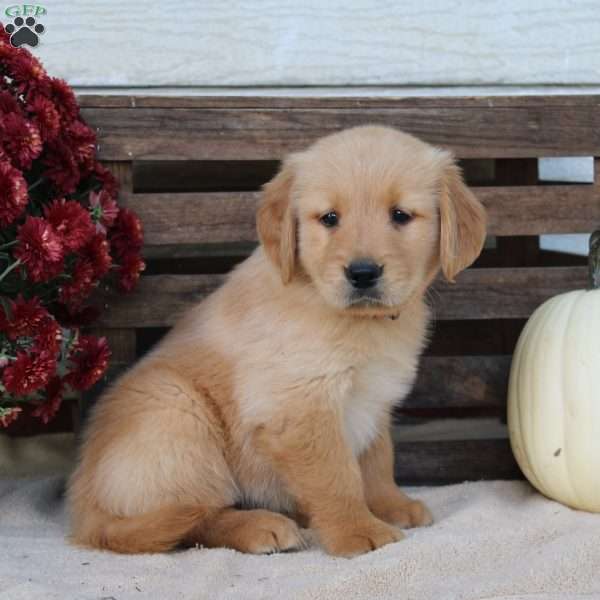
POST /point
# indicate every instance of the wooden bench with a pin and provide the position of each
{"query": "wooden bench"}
(192, 168)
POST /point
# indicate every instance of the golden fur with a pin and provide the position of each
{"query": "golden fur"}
(268, 404)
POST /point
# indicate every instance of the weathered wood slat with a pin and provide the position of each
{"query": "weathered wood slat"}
(538, 209)
(229, 134)
(197, 218)
(452, 461)
(478, 294)
(291, 102)
(460, 382)
(228, 217)
(512, 293)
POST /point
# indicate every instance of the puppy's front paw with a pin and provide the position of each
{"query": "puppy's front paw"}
(358, 539)
(403, 514)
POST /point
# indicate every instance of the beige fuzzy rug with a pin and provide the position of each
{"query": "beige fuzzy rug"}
(497, 540)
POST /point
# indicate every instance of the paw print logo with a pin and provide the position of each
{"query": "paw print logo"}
(24, 31)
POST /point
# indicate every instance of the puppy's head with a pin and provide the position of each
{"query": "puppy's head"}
(370, 214)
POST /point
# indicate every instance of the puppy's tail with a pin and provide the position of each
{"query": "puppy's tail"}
(156, 531)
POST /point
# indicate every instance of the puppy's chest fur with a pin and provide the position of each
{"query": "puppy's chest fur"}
(382, 369)
(376, 387)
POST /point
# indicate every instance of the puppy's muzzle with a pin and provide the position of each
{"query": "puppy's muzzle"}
(363, 274)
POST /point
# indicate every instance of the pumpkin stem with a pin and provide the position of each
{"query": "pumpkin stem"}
(594, 260)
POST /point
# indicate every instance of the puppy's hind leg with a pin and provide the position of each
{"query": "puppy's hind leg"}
(152, 465)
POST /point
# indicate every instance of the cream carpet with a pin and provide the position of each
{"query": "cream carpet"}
(497, 540)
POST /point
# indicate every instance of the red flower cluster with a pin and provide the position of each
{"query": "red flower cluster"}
(13, 192)
(126, 238)
(40, 249)
(61, 234)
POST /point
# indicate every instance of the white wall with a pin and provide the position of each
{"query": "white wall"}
(317, 42)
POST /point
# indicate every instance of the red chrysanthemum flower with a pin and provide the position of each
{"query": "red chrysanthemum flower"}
(90, 362)
(71, 222)
(47, 410)
(61, 167)
(27, 72)
(28, 319)
(104, 210)
(8, 103)
(127, 235)
(64, 98)
(82, 141)
(13, 193)
(79, 287)
(5, 52)
(39, 249)
(24, 319)
(29, 372)
(20, 139)
(48, 336)
(9, 415)
(129, 271)
(97, 251)
(107, 179)
(45, 116)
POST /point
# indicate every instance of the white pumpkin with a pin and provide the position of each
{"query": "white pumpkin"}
(554, 395)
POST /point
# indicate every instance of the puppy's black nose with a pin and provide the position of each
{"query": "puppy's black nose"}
(363, 274)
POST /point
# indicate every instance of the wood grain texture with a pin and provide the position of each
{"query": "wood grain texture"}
(478, 294)
(225, 217)
(460, 382)
(322, 43)
(123, 172)
(294, 99)
(511, 293)
(452, 461)
(204, 218)
(157, 300)
(230, 134)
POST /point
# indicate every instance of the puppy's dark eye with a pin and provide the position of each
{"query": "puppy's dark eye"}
(330, 219)
(400, 217)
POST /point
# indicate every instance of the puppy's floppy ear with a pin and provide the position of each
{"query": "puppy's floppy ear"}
(276, 223)
(462, 223)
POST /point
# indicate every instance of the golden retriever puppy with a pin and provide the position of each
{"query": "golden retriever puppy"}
(269, 403)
